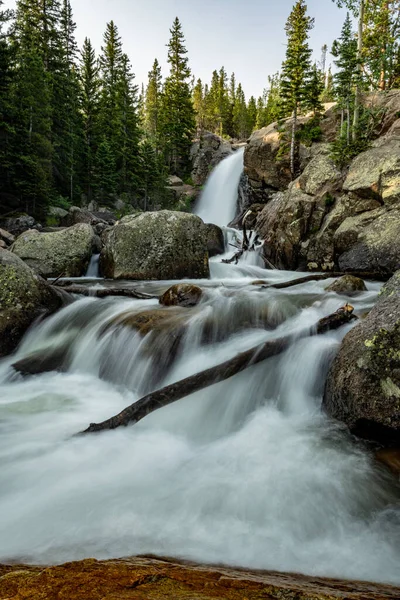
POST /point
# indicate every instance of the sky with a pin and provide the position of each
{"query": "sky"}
(245, 36)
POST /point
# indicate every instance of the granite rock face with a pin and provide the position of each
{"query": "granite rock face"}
(156, 246)
(363, 385)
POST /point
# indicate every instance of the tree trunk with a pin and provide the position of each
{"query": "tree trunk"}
(293, 144)
(176, 391)
(357, 100)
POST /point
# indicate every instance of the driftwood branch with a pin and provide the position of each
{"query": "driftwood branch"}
(322, 276)
(175, 391)
(105, 292)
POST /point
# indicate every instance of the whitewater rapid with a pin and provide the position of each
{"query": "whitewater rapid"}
(247, 472)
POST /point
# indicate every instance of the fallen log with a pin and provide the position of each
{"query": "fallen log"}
(105, 292)
(322, 276)
(176, 391)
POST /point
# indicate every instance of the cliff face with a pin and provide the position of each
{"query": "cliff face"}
(330, 218)
(162, 579)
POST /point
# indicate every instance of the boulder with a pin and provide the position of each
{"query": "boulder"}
(6, 237)
(363, 385)
(215, 240)
(156, 245)
(319, 250)
(57, 214)
(207, 153)
(376, 173)
(65, 252)
(369, 242)
(98, 220)
(24, 296)
(17, 225)
(182, 294)
(348, 284)
(285, 223)
(388, 104)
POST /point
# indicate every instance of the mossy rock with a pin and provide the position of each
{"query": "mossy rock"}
(24, 296)
(348, 284)
(156, 246)
(182, 294)
(363, 385)
(65, 252)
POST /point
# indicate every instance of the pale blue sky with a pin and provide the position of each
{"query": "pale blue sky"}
(246, 36)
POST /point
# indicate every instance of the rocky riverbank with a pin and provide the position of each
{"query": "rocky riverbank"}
(154, 578)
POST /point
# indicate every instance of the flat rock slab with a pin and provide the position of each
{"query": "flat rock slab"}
(161, 578)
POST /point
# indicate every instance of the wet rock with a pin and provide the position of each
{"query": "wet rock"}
(156, 245)
(182, 294)
(348, 284)
(148, 320)
(215, 240)
(66, 252)
(24, 296)
(152, 578)
(363, 385)
(206, 154)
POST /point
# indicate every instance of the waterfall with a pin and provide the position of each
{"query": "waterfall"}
(93, 268)
(217, 203)
(248, 472)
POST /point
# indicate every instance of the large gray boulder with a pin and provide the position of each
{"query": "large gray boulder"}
(363, 385)
(369, 242)
(24, 296)
(156, 245)
(376, 173)
(65, 252)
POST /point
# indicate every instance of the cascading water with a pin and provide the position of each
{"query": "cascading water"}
(93, 268)
(247, 472)
(217, 203)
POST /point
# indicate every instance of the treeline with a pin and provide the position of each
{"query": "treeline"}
(72, 127)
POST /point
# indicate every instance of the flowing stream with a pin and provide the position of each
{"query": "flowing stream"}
(247, 472)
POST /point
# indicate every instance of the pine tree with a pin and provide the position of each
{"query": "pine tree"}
(315, 88)
(127, 132)
(328, 95)
(89, 108)
(240, 117)
(358, 9)
(199, 105)
(31, 96)
(251, 114)
(6, 113)
(296, 68)
(345, 51)
(178, 117)
(67, 128)
(153, 103)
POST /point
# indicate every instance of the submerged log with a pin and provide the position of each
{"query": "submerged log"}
(322, 276)
(105, 292)
(176, 391)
